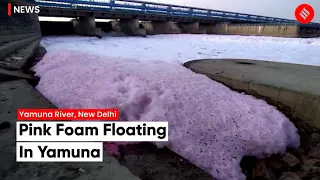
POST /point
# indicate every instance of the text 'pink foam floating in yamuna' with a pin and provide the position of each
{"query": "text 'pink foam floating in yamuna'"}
(209, 124)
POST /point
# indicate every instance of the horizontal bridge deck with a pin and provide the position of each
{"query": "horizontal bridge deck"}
(150, 11)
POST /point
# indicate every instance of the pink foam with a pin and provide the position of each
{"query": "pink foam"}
(209, 124)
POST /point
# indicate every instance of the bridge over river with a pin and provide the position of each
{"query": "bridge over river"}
(141, 18)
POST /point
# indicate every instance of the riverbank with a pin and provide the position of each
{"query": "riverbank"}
(294, 90)
(143, 160)
(17, 91)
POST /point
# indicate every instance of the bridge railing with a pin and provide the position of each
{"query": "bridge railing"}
(142, 7)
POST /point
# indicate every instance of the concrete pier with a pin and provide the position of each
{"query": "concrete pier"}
(19, 36)
(253, 29)
(129, 27)
(104, 26)
(115, 25)
(191, 27)
(308, 32)
(166, 27)
(215, 28)
(132, 27)
(86, 26)
(149, 27)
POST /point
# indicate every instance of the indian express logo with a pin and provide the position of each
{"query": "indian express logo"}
(22, 9)
(304, 13)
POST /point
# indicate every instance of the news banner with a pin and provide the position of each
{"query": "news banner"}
(77, 135)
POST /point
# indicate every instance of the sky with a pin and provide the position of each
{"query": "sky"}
(274, 8)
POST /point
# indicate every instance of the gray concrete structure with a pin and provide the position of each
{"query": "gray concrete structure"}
(166, 27)
(293, 88)
(166, 23)
(86, 26)
(214, 28)
(19, 36)
(253, 29)
(115, 25)
(148, 25)
(132, 27)
(309, 32)
(191, 27)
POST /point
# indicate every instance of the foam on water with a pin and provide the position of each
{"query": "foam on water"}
(186, 47)
(209, 124)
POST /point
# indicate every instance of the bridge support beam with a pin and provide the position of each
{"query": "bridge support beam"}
(191, 27)
(115, 26)
(149, 27)
(165, 27)
(221, 28)
(86, 26)
(129, 27)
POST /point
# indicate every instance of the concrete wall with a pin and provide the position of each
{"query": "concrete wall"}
(129, 27)
(191, 27)
(17, 30)
(115, 25)
(132, 27)
(309, 32)
(17, 23)
(104, 26)
(256, 30)
(136, 28)
(166, 27)
(149, 27)
(215, 28)
(86, 26)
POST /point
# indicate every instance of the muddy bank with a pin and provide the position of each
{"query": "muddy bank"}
(149, 163)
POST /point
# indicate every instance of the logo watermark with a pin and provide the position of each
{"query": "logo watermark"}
(22, 9)
(304, 13)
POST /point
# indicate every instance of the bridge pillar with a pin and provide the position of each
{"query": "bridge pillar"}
(131, 27)
(149, 27)
(191, 27)
(86, 26)
(115, 25)
(220, 28)
(165, 27)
